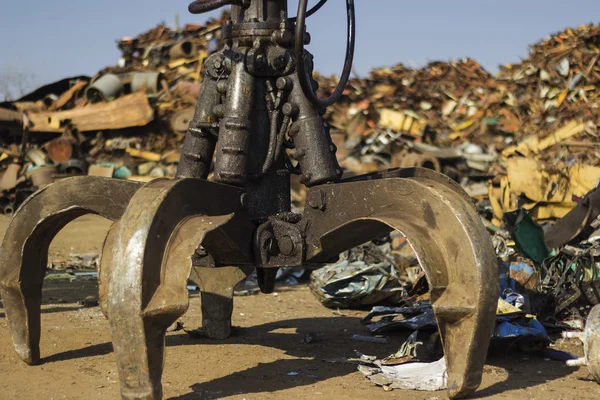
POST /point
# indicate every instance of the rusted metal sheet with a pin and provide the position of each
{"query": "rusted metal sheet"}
(32, 106)
(124, 112)
(68, 95)
(60, 150)
(10, 116)
(11, 123)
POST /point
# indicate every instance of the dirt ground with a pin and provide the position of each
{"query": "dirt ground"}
(264, 359)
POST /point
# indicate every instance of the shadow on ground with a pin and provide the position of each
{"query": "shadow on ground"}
(314, 359)
(67, 292)
(523, 372)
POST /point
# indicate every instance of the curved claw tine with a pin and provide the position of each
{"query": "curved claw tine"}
(105, 268)
(151, 260)
(450, 242)
(24, 250)
(216, 291)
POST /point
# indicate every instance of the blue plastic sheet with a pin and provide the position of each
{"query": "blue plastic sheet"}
(507, 327)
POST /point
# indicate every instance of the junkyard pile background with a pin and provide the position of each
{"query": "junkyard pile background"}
(524, 139)
(128, 121)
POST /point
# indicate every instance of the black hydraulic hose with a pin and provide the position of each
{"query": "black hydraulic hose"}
(202, 6)
(281, 138)
(313, 10)
(295, 170)
(304, 78)
(273, 140)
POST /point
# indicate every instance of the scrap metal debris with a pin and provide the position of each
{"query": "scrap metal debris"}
(408, 351)
(364, 276)
(511, 322)
(558, 285)
(126, 122)
(401, 371)
(412, 376)
(370, 339)
(410, 318)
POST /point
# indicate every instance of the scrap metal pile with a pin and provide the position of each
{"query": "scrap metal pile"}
(128, 121)
(531, 131)
(524, 138)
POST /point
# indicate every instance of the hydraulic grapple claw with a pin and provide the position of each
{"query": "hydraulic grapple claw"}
(450, 242)
(24, 250)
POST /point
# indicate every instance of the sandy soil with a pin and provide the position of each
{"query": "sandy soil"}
(254, 363)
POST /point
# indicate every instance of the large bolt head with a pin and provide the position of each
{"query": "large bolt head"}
(286, 245)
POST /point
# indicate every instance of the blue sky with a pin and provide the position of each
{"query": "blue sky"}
(60, 38)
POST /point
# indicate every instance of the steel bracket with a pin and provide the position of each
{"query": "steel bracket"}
(278, 244)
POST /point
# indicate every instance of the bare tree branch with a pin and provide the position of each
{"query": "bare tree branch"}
(15, 82)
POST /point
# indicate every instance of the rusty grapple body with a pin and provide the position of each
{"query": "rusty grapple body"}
(257, 103)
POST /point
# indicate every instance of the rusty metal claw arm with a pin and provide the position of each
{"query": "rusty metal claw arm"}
(449, 240)
(150, 254)
(24, 251)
